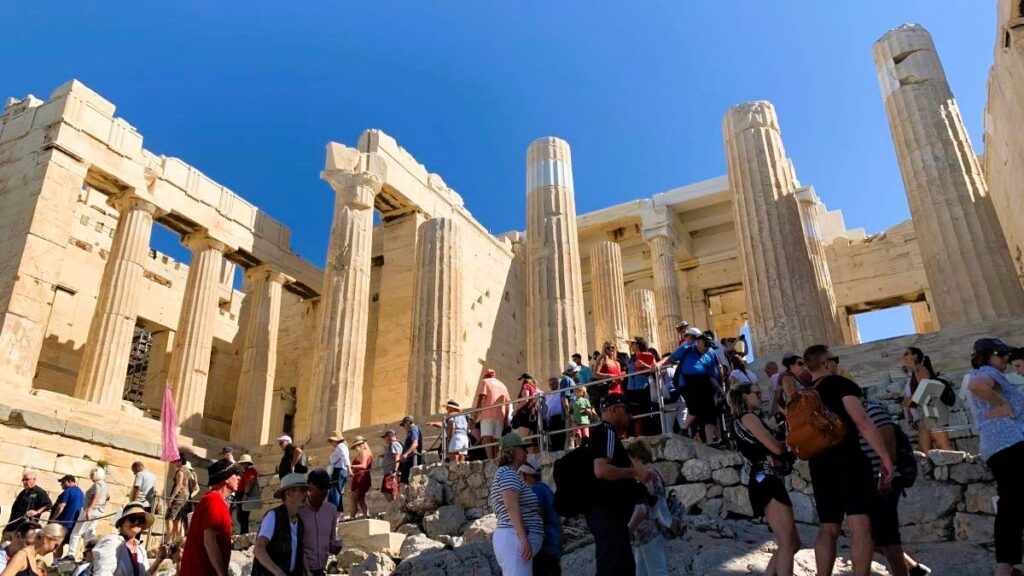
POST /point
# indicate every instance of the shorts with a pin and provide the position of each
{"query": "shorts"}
(491, 427)
(174, 509)
(701, 400)
(525, 419)
(843, 484)
(582, 432)
(885, 517)
(459, 444)
(768, 489)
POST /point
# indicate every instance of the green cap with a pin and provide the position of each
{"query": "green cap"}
(513, 440)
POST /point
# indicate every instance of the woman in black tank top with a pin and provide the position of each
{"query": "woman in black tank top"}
(765, 487)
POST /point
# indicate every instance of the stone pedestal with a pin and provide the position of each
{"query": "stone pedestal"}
(642, 318)
(666, 286)
(609, 292)
(556, 322)
(340, 357)
(193, 341)
(966, 260)
(251, 422)
(435, 363)
(105, 358)
(810, 209)
(783, 290)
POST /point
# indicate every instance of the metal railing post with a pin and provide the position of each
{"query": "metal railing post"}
(541, 436)
(444, 438)
(659, 389)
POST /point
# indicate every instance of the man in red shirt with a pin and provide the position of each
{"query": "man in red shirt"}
(248, 495)
(209, 535)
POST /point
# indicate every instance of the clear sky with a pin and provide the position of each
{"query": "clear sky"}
(250, 93)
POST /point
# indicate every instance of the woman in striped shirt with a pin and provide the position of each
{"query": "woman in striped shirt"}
(520, 531)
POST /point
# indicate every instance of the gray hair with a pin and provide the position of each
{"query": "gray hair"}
(30, 472)
(98, 474)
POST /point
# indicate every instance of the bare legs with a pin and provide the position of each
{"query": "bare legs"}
(780, 519)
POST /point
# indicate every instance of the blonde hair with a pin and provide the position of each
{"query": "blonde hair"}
(52, 531)
(98, 474)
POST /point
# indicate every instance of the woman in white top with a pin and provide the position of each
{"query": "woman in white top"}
(95, 499)
(919, 368)
(457, 429)
(340, 469)
(740, 373)
(124, 554)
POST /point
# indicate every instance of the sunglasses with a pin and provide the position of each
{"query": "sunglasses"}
(135, 520)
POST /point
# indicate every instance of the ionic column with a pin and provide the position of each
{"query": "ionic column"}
(966, 259)
(810, 208)
(609, 292)
(340, 357)
(435, 364)
(643, 321)
(193, 340)
(251, 423)
(105, 358)
(556, 322)
(784, 298)
(666, 286)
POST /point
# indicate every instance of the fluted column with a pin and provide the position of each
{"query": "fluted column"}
(556, 322)
(784, 298)
(810, 208)
(340, 356)
(666, 286)
(193, 340)
(107, 349)
(964, 251)
(642, 318)
(435, 363)
(251, 423)
(606, 284)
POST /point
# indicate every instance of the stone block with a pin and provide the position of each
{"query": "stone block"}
(946, 457)
(445, 520)
(967, 473)
(803, 508)
(726, 476)
(689, 494)
(390, 542)
(933, 531)
(669, 470)
(696, 470)
(979, 498)
(928, 501)
(737, 501)
(417, 544)
(362, 529)
(974, 528)
(678, 449)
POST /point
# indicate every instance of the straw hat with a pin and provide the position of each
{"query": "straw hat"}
(452, 405)
(293, 480)
(336, 436)
(358, 441)
(135, 509)
(245, 459)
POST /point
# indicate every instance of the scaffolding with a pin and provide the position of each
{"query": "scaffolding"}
(138, 364)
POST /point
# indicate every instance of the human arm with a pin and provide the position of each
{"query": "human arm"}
(754, 425)
(16, 564)
(871, 434)
(214, 554)
(511, 499)
(57, 508)
(985, 388)
(639, 513)
(161, 555)
(296, 456)
(259, 552)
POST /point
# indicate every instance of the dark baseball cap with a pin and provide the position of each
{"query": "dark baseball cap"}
(68, 478)
(992, 345)
(613, 399)
(525, 376)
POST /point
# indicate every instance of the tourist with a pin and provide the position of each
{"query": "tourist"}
(123, 553)
(919, 368)
(228, 453)
(841, 477)
(638, 386)
(520, 530)
(681, 329)
(210, 528)
(280, 546)
(319, 518)
(765, 486)
(458, 432)
(696, 371)
(84, 568)
(177, 502)
(582, 412)
(645, 529)
(95, 499)
(24, 535)
(1016, 359)
(412, 449)
(997, 406)
(586, 372)
(607, 369)
(793, 377)
(524, 418)
(740, 373)
(553, 409)
(293, 459)
(247, 498)
(392, 455)
(362, 462)
(493, 411)
(143, 487)
(884, 514)
(29, 504)
(615, 490)
(340, 467)
(547, 560)
(66, 509)
(25, 562)
(674, 413)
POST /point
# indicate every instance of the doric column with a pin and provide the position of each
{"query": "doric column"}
(642, 318)
(784, 298)
(810, 208)
(193, 340)
(609, 292)
(556, 322)
(435, 363)
(666, 286)
(251, 424)
(105, 358)
(964, 251)
(340, 355)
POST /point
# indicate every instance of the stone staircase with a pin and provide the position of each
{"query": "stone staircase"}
(370, 535)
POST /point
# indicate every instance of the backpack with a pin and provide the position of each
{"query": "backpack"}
(948, 396)
(574, 481)
(905, 464)
(813, 428)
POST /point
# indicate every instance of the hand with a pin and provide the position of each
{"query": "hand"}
(31, 514)
(885, 472)
(525, 551)
(1001, 411)
(641, 473)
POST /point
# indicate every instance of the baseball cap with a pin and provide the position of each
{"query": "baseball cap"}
(513, 440)
(525, 376)
(572, 368)
(694, 331)
(284, 438)
(387, 433)
(683, 324)
(68, 478)
(613, 399)
(993, 345)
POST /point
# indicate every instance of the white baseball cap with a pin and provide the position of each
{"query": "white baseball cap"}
(284, 438)
(692, 331)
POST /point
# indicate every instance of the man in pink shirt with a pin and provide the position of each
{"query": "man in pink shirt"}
(492, 396)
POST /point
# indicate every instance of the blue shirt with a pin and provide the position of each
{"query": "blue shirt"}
(692, 363)
(998, 434)
(73, 500)
(414, 434)
(552, 526)
(586, 374)
(637, 381)
(566, 382)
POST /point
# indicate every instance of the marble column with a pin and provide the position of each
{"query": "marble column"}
(251, 423)
(642, 317)
(193, 341)
(435, 363)
(608, 288)
(105, 358)
(966, 260)
(556, 322)
(666, 285)
(782, 287)
(810, 209)
(340, 357)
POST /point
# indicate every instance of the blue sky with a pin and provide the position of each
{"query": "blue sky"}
(250, 96)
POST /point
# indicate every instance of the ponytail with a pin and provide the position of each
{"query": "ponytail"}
(737, 405)
(927, 362)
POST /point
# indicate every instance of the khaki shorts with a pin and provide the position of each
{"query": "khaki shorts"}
(491, 427)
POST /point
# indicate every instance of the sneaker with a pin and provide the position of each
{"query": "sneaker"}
(919, 570)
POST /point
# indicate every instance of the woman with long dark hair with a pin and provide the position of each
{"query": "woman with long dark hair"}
(919, 368)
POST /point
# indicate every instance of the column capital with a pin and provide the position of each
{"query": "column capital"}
(660, 231)
(201, 240)
(355, 177)
(125, 202)
(268, 273)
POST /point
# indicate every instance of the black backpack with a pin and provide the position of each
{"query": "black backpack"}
(948, 396)
(906, 463)
(574, 481)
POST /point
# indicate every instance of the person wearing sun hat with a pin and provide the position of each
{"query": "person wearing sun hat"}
(248, 495)
(119, 554)
(457, 429)
(520, 531)
(279, 545)
(362, 462)
(210, 528)
(340, 468)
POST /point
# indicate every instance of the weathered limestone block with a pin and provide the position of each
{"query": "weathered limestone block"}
(556, 324)
(678, 449)
(696, 470)
(642, 317)
(974, 528)
(689, 494)
(480, 530)
(928, 501)
(726, 476)
(737, 501)
(970, 472)
(980, 498)
(966, 258)
(445, 520)
(417, 544)
(803, 508)
(376, 564)
(609, 292)
(946, 457)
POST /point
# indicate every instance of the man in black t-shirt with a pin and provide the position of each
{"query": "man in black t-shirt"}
(32, 502)
(614, 490)
(842, 478)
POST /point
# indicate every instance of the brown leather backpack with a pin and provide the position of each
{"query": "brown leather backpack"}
(813, 428)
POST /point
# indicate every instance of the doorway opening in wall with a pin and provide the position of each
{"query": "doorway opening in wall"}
(727, 310)
(138, 365)
(884, 323)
